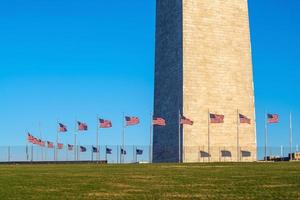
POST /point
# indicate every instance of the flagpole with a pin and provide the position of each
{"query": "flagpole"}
(106, 153)
(133, 157)
(151, 130)
(78, 153)
(123, 139)
(136, 156)
(117, 153)
(238, 137)
(41, 140)
(27, 157)
(179, 138)
(182, 146)
(291, 137)
(46, 148)
(56, 151)
(67, 153)
(266, 136)
(27, 145)
(208, 135)
(97, 139)
(75, 142)
(31, 152)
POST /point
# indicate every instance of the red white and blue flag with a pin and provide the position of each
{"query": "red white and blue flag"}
(95, 150)
(50, 144)
(30, 138)
(185, 120)
(244, 119)
(43, 143)
(159, 121)
(273, 118)
(82, 126)
(70, 147)
(40, 142)
(123, 152)
(108, 151)
(60, 145)
(105, 123)
(35, 140)
(82, 149)
(214, 118)
(62, 128)
(130, 121)
(139, 151)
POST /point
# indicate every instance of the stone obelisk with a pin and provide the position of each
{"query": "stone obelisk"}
(203, 65)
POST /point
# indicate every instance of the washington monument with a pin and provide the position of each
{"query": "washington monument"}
(203, 68)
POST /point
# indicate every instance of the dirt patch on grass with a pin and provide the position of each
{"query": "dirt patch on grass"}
(192, 166)
(106, 194)
(277, 186)
(185, 196)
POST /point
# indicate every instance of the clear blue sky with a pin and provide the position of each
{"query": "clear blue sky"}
(66, 60)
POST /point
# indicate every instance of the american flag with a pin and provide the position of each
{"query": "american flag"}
(39, 142)
(105, 123)
(214, 118)
(159, 121)
(123, 152)
(82, 126)
(70, 147)
(131, 121)
(35, 140)
(244, 119)
(185, 120)
(62, 128)
(60, 145)
(30, 138)
(139, 151)
(82, 149)
(50, 144)
(108, 150)
(273, 118)
(42, 143)
(95, 150)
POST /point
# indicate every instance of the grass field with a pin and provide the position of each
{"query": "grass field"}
(157, 181)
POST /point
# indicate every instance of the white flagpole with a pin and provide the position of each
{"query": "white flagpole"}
(31, 152)
(75, 141)
(208, 136)
(179, 138)
(27, 145)
(151, 133)
(133, 157)
(67, 153)
(117, 153)
(57, 132)
(238, 136)
(182, 146)
(41, 147)
(136, 155)
(106, 153)
(123, 139)
(27, 157)
(266, 136)
(97, 139)
(291, 137)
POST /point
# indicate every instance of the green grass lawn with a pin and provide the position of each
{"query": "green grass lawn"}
(155, 181)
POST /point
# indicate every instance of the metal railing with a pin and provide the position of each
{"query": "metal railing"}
(34, 153)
